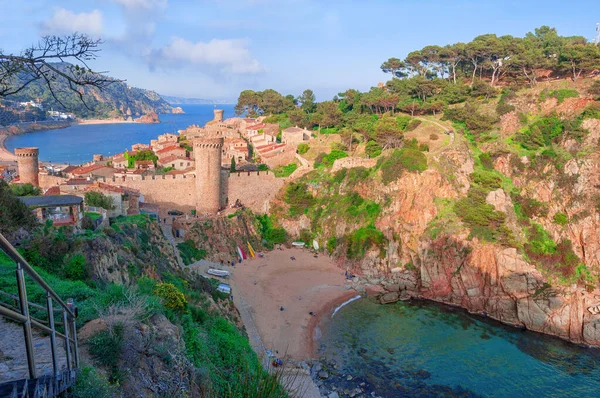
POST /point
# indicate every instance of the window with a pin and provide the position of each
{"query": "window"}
(180, 164)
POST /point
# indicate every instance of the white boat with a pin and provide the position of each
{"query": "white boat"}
(315, 244)
(218, 272)
(298, 244)
(224, 288)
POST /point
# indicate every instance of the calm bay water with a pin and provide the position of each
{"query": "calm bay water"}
(428, 350)
(77, 144)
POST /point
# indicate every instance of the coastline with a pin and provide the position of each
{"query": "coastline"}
(5, 154)
(103, 121)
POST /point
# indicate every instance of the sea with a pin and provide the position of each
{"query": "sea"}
(78, 143)
(423, 349)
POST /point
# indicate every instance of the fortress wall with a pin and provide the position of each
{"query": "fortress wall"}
(48, 181)
(170, 193)
(351, 162)
(254, 189)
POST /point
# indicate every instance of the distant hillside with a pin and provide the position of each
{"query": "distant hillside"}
(118, 100)
(190, 101)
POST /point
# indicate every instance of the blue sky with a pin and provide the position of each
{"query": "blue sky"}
(216, 48)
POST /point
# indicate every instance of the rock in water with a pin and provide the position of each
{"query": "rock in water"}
(323, 375)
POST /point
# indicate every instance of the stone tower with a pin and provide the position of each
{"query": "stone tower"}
(207, 153)
(218, 115)
(27, 159)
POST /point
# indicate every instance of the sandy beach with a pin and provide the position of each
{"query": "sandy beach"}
(5, 155)
(103, 121)
(305, 285)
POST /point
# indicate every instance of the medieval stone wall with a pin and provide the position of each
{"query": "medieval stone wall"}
(49, 181)
(348, 163)
(254, 189)
(169, 191)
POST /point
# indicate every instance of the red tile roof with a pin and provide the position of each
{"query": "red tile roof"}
(79, 181)
(88, 169)
(170, 148)
(52, 191)
(171, 158)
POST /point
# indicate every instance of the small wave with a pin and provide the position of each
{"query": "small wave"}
(345, 303)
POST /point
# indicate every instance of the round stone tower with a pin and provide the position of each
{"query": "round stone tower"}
(207, 153)
(218, 115)
(27, 160)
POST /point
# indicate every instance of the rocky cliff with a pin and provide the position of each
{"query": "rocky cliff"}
(497, 226)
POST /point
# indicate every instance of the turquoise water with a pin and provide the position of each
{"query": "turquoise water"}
(428, 350)
(77, 144)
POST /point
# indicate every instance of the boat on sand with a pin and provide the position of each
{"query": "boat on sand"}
(218, 272)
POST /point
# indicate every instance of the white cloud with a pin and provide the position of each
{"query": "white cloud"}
(143, 4)
(66, 22)
(230, 56)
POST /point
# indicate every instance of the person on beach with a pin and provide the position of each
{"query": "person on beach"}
(281, 308)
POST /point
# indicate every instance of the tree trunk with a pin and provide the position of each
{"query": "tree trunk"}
(474, 73)
(454, 72)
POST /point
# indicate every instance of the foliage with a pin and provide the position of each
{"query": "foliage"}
(14, 214)
(529, 208)
(373, 149)
(361, 240)
(190, 253)
(232, 166)
(393, 165)
(541, 132)
(105, 349)
(285, 171)
(98, 199)
(91, 384)
(326, 160)
(76, 268)
(145, 154)
(270, 234)
(303, 148)
(560, 95)
(298, 197)
(25, 190)
(486, 161)
(263, 167)
(476, 121)
(541, 249)
(173, 298)
(561, 219)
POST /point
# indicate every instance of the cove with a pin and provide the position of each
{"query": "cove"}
(78, 143)
(422, 349)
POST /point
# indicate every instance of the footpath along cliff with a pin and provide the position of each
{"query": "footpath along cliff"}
(504, 223)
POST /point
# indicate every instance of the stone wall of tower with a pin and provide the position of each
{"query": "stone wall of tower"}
(208, 152)
(27, 160)
(218, 115)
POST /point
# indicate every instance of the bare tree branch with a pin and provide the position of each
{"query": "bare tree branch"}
(41, 62)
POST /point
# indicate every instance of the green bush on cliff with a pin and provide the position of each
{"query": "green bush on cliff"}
(541, 132)
(560, 94)
(76, 268)
(361, 240)
(299, 198)
(326, 160)
(303, 148)
(561, 219)
(14, 214)
(392, 166)
(190, 253)
(173, 298)
(285, 171)
(105, 349)
(373, 149)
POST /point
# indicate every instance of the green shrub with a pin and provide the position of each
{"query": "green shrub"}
(91, 384)
(263, 167)
(362, 239)
(25, 190)
(303, 148)
(277, 235)
(285, 171)
(487, 179)
(298, 197)
(503, 108)
(486, 161)
(542, 250)
(529, 208)
(560, 95)
(561, 219)
(328, 159)
(190, 253)
(373, 149)
(98, 199)
(173, 299)
(105, 349)
(393, 166)
(76, 268)
(413, 124)
(332, 244)
(541, 132)
(14, 214)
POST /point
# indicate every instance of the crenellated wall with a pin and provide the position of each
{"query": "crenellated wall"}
(254, 189)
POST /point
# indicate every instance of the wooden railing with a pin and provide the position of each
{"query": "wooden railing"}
(19, 313)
